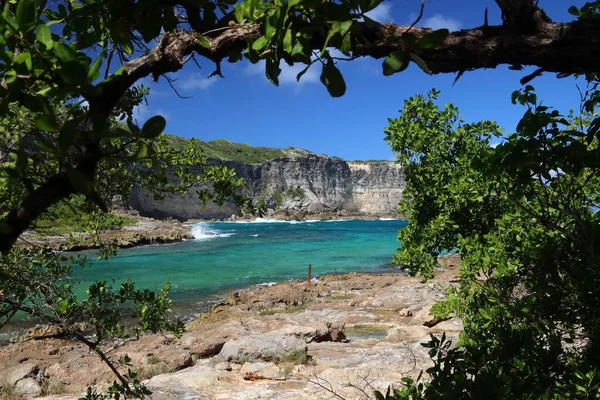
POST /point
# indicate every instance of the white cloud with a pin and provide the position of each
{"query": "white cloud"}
(196, 82)
(141, 113)
(288, 74)
(438, 21)
(381, 13)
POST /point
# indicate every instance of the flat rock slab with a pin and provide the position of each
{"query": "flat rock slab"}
(235, 351)
(267, 347)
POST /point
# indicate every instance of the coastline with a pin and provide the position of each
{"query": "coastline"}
(149, 231)
(146, 231)
(345, 324)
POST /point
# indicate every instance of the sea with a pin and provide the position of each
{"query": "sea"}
(227, 256)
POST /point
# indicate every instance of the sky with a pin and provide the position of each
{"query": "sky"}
(245, 107)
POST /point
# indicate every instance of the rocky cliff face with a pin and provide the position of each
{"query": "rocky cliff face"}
(307, 184)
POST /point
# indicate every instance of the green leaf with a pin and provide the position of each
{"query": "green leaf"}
(94, 72)
(432, 39)
(204, 42)
(44, 36)
(74, 73)
(338, 27)
(154, 127)
(271, 24)
(26, 13)
(332, 78)
(272, 70)
(64, 52)
(238, 10)
(24, 58)
(80, 183)
(46, 123)
(397, 61)
(62, 306)
(142, 151)
(260, 43)
(379, 395)
(574, 11)
(149, 19)
(368, 5)
(67, 134)
(302, 72)
(292, 3)
(420, 62)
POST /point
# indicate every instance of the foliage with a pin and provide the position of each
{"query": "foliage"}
(524, 217)
(278, 197)
(230, 151)
(68, 72)
(294, 192)
(76, 215)
(40, 285)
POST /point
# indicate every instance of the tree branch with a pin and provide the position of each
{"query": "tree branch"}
(527, 37)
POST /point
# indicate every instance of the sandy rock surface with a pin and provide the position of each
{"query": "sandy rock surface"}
(286, 341)
(145, 231)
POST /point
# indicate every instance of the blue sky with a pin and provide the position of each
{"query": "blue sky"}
(245, 107)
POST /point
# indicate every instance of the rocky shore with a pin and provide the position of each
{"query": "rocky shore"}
(343, 333)
(145, 231)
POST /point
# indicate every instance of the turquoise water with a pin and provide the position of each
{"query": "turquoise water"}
(229, 255)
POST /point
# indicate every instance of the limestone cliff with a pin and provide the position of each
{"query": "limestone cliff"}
(306, 183)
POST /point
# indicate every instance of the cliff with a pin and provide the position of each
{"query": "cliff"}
(304, 183)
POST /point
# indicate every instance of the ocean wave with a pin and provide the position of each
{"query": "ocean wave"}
(271, 221)
(201, 231)
(387, 219)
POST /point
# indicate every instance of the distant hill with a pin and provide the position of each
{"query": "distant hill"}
(226, 150)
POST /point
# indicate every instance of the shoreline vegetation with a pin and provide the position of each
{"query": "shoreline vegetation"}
(274, 340)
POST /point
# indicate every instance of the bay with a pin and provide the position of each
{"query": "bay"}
(231, 255)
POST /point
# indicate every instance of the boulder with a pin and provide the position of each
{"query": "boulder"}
(28, 387)
(26, 370)
(266, 347)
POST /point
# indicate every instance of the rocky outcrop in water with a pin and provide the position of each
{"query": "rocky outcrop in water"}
(302, 185)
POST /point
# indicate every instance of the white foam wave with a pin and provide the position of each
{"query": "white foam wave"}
(201, 231)
(271, 221)
(387, 219)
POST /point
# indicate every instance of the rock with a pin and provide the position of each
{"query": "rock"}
(260, 370)
(208, 348)
(266, 347)
(405, 312)
(28, 387)
(23, 371)
(327, 185)
(333, 335)
(44, 331)
(434, 321)
(223, 366)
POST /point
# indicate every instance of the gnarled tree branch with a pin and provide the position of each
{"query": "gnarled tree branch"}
(526, 37)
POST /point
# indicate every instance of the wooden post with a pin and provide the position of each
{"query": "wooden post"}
(309, 278)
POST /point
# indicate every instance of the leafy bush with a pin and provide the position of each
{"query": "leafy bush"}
(524, 217)
(295, 192)
(77, 215)
(278, 198)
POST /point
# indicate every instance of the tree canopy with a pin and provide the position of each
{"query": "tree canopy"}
(523, 216)
(96, 51)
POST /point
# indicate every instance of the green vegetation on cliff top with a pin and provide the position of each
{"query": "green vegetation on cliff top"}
(226, 150)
